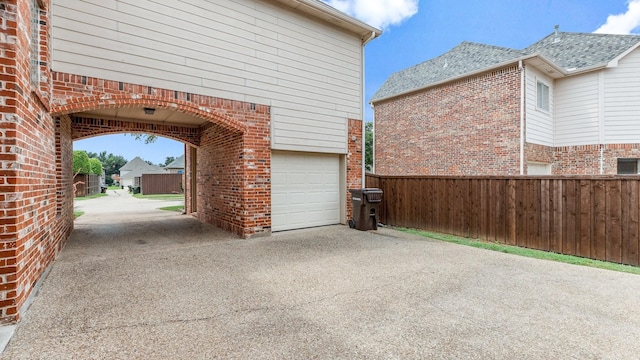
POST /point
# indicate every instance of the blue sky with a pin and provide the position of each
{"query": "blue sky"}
(416, 31)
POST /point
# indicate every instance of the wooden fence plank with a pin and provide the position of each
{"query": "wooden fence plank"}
(599, 236)
(484, 210)
(555, 241)
(613, 223)
(500, 208)
(430, 201)
(474, 208)
(548, 213)
(521, 224)
(532, 215)
(631, 237)
(569, 225)
(586, 188)
(511, 212)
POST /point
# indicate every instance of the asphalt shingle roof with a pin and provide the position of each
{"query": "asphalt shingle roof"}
(137, 167)
(580, 50)
(177, 163)
(570, 51)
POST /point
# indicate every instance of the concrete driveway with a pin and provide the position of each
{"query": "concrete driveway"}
(160, 285)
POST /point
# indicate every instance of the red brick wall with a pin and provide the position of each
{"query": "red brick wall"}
(233, 176)
(28, 231)
(354, 161)
(538, 153)
(189, 179)
(246, 212)
(469, 127)
(586, 159)
(64, 182)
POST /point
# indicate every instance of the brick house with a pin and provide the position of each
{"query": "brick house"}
(132, 171)
(567, 104)
(266, 95)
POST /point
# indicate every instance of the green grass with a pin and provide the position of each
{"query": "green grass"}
(177, 208)
(160, 196)
(536, 254)
(113, 187)
(91, 196)
(77, 214)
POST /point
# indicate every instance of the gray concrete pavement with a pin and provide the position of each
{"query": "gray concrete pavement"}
(160, 285)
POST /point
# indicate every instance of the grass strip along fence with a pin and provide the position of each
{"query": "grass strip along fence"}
(590, 217)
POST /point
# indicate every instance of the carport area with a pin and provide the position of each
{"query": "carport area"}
(164, 285)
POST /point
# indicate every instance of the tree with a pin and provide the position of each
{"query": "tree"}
(81, 163)
(368, 146)
(147, 138)
(96, 166)
(111, 164)
(168, 160)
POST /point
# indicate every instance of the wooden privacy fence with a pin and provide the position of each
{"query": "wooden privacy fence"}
(592, 217)
(161, 184)
(86, 184)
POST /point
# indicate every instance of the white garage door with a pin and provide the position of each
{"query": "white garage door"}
(305, 190)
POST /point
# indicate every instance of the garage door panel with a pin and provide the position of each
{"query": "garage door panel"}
(306, 190)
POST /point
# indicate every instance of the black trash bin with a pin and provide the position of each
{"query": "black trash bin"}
(366, 205)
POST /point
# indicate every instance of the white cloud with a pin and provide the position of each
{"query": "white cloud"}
(622, 23)
(378, 13)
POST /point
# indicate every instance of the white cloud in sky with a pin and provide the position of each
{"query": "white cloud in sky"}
(378, 13)
(622, 23)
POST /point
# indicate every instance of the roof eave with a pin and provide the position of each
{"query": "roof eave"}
(614, 62)
(455, 78)
(322, 11)
(557, 68)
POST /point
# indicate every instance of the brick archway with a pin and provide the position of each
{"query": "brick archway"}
(81, 104)
(227, 157)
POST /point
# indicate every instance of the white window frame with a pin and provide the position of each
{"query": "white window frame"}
(540, 98)
(539, 166)
(629, 160)
(36, 6)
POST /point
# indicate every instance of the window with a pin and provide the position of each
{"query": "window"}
(35, 43)
(536, 168)
(627, 166)
(543, 96)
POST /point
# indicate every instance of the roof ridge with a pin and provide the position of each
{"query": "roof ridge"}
(574, 50)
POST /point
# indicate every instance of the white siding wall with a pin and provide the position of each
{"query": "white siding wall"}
(577, 110)
(622, 101)
(539, 123)
(247, 50)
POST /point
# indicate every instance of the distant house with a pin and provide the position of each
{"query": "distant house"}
(568, 104)
(176, 166)
(132, 171)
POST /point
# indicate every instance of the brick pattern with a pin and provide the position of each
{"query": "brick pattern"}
(354, 161)
(28, 234)
(460, 128)
(190, 177)
(582, 159)
(587, 159)
(64, 174)
(75, 93)
(246, 212)
(233, 177)
(538, 153)
(219, 179)
(85, 127)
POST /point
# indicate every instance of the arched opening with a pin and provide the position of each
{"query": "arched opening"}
(215, 170)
